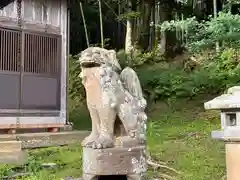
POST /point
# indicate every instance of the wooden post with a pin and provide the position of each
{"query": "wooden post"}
(233, 160)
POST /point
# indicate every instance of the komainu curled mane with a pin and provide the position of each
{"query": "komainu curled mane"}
(111, 96)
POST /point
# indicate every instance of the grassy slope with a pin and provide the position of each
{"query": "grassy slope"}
(178, 136)
(182, 138)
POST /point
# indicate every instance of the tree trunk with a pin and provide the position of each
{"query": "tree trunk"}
(119, 26)
(128, 39)
(168, 38)
(153, 30)
(144, 36)
(134, 23)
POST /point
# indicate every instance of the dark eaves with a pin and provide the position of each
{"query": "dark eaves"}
(4, 3)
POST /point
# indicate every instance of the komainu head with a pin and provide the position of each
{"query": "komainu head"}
(95, 56)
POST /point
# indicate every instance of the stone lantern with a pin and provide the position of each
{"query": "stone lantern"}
(229, 104)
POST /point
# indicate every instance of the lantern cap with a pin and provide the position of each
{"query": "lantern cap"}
(230, 100)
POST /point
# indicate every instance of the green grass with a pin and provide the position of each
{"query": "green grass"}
(182, 138)
(179, 135)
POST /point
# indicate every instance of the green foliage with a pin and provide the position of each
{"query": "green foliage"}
(178, 137)
(227, 62)
(105, 43)
(139, 58)
(75, 87)
(216, 74)
(129, 15)
(231, 2)
(224, 28)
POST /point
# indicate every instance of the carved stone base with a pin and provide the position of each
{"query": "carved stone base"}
(114, 161)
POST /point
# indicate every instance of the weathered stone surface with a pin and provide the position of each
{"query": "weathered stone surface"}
(117, 143)
(126, 141)
(230, 100)
(15, 157)
(46, 139)
(111, 96)
(114, 161)
(11, 153)
(229, 104)
(10, 146)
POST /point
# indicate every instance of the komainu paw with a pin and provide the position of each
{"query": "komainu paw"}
(103, 142)
(88, 141)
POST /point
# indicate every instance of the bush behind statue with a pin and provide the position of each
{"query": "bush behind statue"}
(217, 72)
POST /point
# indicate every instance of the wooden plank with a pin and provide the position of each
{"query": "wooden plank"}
(10, 10)
(54, 13)
(29, 126)
(42, 12)
(7, 22)
(64, 59)
(28, 10)
(37, 11)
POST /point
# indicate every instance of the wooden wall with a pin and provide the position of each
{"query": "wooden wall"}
(41, 14)
(42, 11)
(9, 11)
(44, 16)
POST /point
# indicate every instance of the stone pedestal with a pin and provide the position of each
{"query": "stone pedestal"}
(117, 109)
(130, 161)
(233, 160)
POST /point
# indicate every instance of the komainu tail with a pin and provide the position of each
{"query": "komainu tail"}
(131, 82)
(135, 121)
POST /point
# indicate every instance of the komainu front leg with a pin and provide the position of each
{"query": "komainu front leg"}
(88, 141)
(107, 117)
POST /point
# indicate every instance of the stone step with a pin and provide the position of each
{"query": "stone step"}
(10, 146)
(51, 139)
(15, 158)
(45, 139)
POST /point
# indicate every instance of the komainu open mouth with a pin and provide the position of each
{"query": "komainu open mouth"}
(89, 64)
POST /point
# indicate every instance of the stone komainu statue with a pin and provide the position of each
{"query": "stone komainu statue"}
(115, 100)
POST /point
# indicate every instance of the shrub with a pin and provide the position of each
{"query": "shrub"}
(204, 34)
(75, 87)
(216, 74)
(139, 58)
